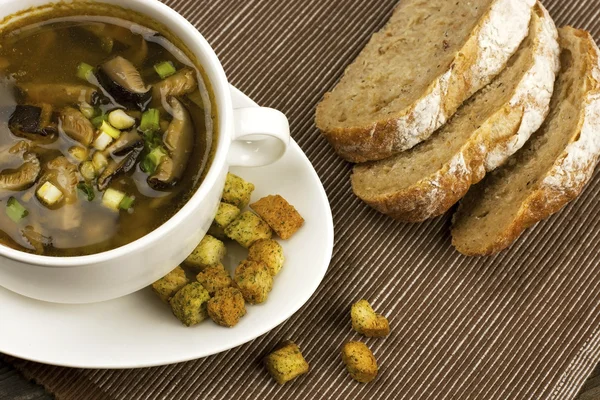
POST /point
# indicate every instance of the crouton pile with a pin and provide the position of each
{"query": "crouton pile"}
(202, 287)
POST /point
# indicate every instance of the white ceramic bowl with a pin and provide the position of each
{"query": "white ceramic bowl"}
(132, 267)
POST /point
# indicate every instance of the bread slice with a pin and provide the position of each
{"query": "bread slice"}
(550, 170)
(426, 181)
(414, 74)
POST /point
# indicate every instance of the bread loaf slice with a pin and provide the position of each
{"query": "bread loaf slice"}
(426, 181)
(550, 170)
(415, 73)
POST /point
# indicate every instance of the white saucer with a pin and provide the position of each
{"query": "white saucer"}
(140, 331)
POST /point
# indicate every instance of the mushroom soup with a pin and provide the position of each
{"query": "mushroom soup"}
(106, 129)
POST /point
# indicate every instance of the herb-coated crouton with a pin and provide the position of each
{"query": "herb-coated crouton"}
(189, 304)
(254, 280)
(286, 363)
(168, 285)
(268, 251)
(281, 216)
(247, 228)
(237, 191)
(226, 214)
(367, 322)
(360, 362)
(209, 252)
(214, 278)
(227, 307)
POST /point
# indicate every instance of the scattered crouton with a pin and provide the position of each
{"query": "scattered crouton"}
(281, 216)
(286, 363)
(226, 214)
(268, 251)
(254, 280)
(209, 252)
(247, 228)
(367, 322)
(227, 307)
(168, 285)
(214, 278)
(360, 362)
(189, 304)
(237, 191)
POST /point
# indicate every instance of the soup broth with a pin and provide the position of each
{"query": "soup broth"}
(106, 129)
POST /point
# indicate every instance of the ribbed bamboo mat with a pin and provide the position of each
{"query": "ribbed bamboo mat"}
(522, 325)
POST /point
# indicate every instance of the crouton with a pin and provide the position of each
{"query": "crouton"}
(226, 214)
(214, 278)
(359, 361)
(227, 307)
(209, 252)
(189, 304)
(247, 228)
(168, 285)
(281, 216)
(269, 252)
(286, 362)
(367, 322)
(254, 280)
(237, 191)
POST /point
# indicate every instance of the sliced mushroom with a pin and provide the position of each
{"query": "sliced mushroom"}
(75, 125)
(179, 141)
(123, 154)
(58, 95)
(180, 84)
(122, 80)
(64, 175)
(38, 241)
(23, 177)
(127, 142)
(116, 167)
(33, 123)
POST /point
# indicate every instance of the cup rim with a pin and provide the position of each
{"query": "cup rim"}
(200, 47)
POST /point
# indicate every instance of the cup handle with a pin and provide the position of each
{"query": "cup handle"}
(261, 136)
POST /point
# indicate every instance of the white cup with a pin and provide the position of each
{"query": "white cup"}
(247, 137)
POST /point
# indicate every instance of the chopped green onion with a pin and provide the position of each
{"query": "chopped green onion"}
(15, 210)
(150, 120)
(165, 69)
(87, 110)
(120, 120)
(87, 189)
(109, 130)
(79, 153)
(99, 161)
(127, 203)
(147, 166)
(84, 71)
(153, 160)
(102, 141)
(152, 140)
(49, 194)
(112, 198)
(97, 121)
(87, 170)
(157, 155)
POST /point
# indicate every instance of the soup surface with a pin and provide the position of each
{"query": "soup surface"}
(106, 129)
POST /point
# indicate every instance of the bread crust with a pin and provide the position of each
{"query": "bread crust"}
(570, 173)
(497, 138)
(483, 56)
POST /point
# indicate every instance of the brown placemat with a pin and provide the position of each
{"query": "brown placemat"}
(522, 325)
